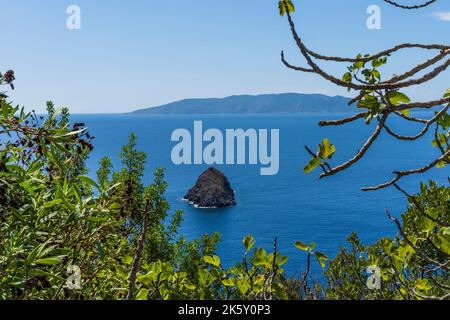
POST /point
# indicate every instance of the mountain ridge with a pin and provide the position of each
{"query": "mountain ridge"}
(284, 103)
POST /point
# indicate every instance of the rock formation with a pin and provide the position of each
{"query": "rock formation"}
(212, 190)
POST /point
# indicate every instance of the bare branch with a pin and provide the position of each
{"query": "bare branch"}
(410, 118)
(380, 86)
(421, 133)
(401, 174)
(384, 53)
(343, 121)
(420, 67)
(422, 105)
(290, 66)
(380, 90)
(418, 6)
(363, 150)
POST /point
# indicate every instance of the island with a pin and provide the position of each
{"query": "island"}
(285, 103)
(212, 190)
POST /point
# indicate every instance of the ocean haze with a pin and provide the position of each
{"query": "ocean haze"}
(286, 103)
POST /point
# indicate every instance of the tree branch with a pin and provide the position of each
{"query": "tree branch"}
(401, 174)
(138, 255)
(363, 150)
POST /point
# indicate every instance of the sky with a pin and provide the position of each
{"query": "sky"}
(141, 53)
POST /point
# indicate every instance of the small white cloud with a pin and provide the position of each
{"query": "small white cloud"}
(442, 16)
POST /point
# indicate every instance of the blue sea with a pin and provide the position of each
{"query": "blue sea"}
(292, 205)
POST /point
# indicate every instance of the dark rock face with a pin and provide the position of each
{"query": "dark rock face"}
(212, 190)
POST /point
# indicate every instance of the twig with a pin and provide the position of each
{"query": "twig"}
(343, 121)
(138, 255)
(418, 6)
(423, 131)
(400, 174)
(363, 150)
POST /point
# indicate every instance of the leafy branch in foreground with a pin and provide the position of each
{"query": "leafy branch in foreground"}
(382, 99)
(413, 265)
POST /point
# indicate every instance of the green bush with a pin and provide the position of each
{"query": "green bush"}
(413, 265)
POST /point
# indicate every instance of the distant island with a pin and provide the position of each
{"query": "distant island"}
(286, 103)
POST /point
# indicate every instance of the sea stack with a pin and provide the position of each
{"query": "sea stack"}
(212, 190)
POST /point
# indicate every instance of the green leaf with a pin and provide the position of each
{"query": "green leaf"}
(347, 77)
(302, 246)
(89, 181)
(442, 243)
(359, 64)
(321, 258)
(147, 279)
(243, 286)
(397, 98)
(314, 163)
(376, 63)
(444, 121)
(282, 4)
(248, 242)
(387, 245)
(54, 157)
(97, 219)
(5, 108)
(326, 149)
(122, 271)
(441, 165)
(423, 285)
(49, 261)
(228, 282)
(406, 112)
(142, 295)
(282, 260)
(260, 261)
(376, 74)
(212, 260)
(369, 102)
(34, 253)
(447, 94)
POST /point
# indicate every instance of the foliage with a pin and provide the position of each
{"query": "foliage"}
(378, 99)
(53, 216)
(286, 6)
(413, 265)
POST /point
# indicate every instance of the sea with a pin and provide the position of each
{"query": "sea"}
(290, 206)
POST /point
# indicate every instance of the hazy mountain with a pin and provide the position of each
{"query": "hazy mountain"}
(288, 103)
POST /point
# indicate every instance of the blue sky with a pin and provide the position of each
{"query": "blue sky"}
(139, 53)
